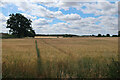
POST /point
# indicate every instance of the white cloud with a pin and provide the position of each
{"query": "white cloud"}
(41, 21)
(3, 20)
(29, 16)
(70, 17)
(101, 8)
(109, 23)
(37, 10)
(2, 4)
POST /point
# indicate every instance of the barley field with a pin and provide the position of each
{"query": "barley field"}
(84, 57)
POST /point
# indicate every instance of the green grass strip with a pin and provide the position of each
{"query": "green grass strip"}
(38, 52)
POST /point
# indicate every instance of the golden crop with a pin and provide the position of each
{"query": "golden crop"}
(60, 57)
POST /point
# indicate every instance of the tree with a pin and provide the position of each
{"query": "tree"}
(93, 35)
(107, 35)
(103, 35)
(20, 26)
(99, 35)
(119, 33)
(114, 35)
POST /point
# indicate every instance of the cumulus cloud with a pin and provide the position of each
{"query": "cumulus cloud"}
(109, 23)
(41, 21)
(29, 16)
(70, 17)
(3, 20)
(41, 25)
(2, 4)
(101, 8)
(37, 10)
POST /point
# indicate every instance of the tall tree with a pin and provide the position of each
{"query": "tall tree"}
(20, 26)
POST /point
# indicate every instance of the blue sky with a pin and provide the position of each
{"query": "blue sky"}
(65, 17)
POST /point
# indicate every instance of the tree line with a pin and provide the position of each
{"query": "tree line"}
(107, 35)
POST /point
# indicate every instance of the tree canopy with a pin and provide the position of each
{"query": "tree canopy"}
(99, 35)
(20, 26)
(107, 35)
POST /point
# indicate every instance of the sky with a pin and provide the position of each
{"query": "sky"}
(64, 16)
